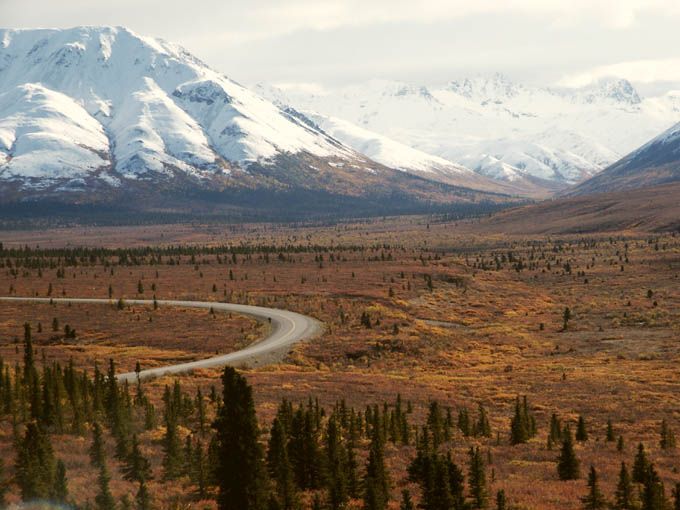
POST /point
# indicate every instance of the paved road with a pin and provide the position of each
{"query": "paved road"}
(287, 328)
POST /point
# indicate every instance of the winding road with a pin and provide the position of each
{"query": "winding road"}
(287, 328)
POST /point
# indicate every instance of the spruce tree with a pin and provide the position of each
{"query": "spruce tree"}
(640, 465)
(240, 474)
(173, 461)
(136, 467)
(35, 465)
(594, 500)
(280, 467)
(523, 424)
(97, 454)
(336, 460)
(377, 479)
(482, 427)
(610, 437)
(104, 499)
(435, 422)
(500, 500)
(667, 436)
(653, 495)
(477, 479)
(567, 463)
(623, 497)
(619, 444)
(60, 483)
(581, 431)
(406, 502)
(143, 498)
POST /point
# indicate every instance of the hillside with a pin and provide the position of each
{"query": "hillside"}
(653, 209)
(657, 162)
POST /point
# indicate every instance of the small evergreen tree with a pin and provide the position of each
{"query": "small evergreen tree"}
(619, 444)
(567, 463)
(143, 498)
(35, 465)
(477, 479)
(594, 500)
(581, 431)
(377, 479)
(104, 499)
(523, 424)
(566, 317)
(500, 500)
(136, 467)
(60, 483)
(240, 473)
(667, 436)
(610, 437)
(623, 497)
(640, 465)
(653, 493)
(406, 502)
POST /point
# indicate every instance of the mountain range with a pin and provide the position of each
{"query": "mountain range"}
(102, 116)
(105, 115)
(539, 137)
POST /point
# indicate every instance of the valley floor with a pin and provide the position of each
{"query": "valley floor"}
(417, 306)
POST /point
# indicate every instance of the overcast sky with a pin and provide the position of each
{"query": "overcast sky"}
(328, 43)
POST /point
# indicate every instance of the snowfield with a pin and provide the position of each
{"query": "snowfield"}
(76, 101)
(498, 128)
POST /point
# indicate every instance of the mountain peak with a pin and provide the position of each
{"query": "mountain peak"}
(618, 90)
(496, 87)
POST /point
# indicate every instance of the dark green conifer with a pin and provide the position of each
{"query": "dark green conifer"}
(136, 467)
(97, 453)
(406, 502)
(240, 474)
(653, 494)
(567, 463)
(594, 500)
(377, 479)
(35, 465)
(610, 437)
(640, 465)
(581, 431)
(477, 479)
(143, 498)
(336, 461)
(60, 483)
(623, 497)
(104, 499)
(500, 500)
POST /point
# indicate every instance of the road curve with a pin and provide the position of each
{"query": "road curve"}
(287, 328)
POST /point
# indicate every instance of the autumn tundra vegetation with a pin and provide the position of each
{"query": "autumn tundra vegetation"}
(455, 370)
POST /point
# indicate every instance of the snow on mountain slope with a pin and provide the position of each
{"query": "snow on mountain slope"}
(562, 136)
(81, 99)
(382, 149)
(656, 162)
(47, 134)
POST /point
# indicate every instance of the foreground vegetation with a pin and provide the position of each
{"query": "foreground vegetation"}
(442, 331)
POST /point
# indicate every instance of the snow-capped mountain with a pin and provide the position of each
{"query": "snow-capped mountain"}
(656, 162)
(396, 155)
(501, 129)
(89, 99)
(101, 114)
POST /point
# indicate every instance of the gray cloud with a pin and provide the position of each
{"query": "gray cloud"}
(333, 42)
